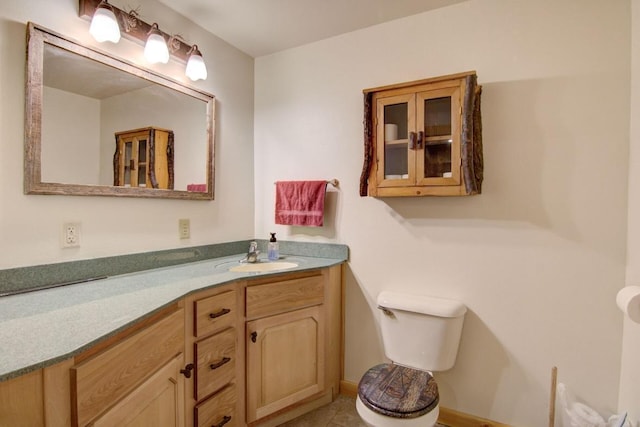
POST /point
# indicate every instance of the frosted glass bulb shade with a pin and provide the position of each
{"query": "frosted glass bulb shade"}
(104, 25)
(155, 50)
(196, 68)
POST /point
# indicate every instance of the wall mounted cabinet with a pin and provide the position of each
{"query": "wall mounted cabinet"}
(423, 138)
(144, 158)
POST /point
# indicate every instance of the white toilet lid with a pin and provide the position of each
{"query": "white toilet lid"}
(398, 391)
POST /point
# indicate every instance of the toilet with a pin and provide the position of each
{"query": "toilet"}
(420, 335)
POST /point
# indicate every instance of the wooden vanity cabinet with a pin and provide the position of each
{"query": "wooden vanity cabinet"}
(144, 158)
(215, 392)
(293, 341)
(257, 352)
(423, 138)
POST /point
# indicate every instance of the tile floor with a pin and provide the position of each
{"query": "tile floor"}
(340, 413)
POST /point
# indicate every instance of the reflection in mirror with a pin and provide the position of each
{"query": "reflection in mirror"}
(97, 125)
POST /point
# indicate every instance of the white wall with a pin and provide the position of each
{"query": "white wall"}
(630, 371)
(30, 226)
(66, 156)
(539, 256)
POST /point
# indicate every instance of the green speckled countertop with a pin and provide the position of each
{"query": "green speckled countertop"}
(43, 327)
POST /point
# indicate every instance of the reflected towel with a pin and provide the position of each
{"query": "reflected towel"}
(200, 188)
(300, 202)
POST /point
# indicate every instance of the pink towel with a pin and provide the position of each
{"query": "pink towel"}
(300, 202)
(200, 188)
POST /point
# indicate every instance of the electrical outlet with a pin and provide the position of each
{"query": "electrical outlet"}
(184, 228)
(70, 234)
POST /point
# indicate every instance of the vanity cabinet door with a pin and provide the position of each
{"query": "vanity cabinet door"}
(157, 402)
(285, 360)
(135, 374)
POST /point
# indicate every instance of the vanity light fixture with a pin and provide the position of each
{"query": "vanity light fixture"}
(159, 46)
(104, 24)
(156, 50)
(196, 68)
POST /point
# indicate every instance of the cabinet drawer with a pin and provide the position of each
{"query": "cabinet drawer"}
(215, 362)
(215, 313)
(101, 381)
(219, 410)
(278, 297)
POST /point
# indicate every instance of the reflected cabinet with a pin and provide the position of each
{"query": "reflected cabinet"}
(144, 158)
(423, 138)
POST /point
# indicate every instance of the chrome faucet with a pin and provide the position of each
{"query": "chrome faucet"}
(252, 256)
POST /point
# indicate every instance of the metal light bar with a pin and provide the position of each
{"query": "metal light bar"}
(133, 28)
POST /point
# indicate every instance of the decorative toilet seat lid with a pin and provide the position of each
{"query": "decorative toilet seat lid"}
(398, 391)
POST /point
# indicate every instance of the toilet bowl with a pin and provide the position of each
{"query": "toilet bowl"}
(420, 334)
(392, 395)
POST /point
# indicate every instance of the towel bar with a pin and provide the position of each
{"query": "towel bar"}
(333, 182)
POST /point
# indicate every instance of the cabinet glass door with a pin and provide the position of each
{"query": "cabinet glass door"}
(395, 122)
(127, 163)
(438, 123)
(142, 162)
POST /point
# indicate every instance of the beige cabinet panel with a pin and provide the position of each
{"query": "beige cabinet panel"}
(157, 402)
(285, 360)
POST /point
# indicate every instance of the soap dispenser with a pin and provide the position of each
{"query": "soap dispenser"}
(272, 250)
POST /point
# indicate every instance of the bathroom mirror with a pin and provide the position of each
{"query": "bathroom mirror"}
(78, 98)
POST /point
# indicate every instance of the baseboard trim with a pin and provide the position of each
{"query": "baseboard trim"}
(348, 388)
(448, 417)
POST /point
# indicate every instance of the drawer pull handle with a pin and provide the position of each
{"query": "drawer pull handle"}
(225, 420)
(254, 336)
(219, 313)
(187, 370)
(220, 363)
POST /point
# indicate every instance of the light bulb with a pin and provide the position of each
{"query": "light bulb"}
(155, 50)
(196, 68)
(104, 25)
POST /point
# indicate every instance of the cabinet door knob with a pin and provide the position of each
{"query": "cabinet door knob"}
(220, 363)
(254, 336)
(219, 313)
(187, 370)
(412, 140)
(225, 420)
(420, 139)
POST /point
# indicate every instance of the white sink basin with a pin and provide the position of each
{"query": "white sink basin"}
(263, 266)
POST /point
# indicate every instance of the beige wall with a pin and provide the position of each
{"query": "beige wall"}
(539, 256)
(61, 147)
(630, 370)
(30, 226)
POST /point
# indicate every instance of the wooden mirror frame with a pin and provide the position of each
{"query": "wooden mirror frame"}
(36, 38)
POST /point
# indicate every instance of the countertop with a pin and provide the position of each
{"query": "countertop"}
(41, 328)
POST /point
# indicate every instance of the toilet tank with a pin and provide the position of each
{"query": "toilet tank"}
(419, 331)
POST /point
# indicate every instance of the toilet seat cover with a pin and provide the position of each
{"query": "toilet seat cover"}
(398, 391)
